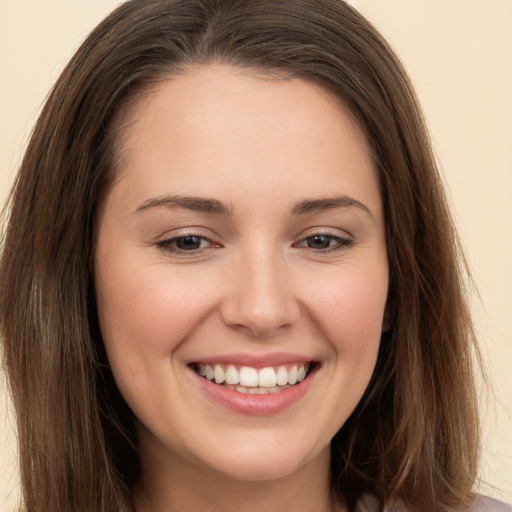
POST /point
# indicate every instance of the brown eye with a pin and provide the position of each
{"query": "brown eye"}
(188, 243)
(320, 241)
(324, 242)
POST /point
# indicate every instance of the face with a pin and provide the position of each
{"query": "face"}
(241, 272)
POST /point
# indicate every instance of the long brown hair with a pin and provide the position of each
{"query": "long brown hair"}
(414, 435)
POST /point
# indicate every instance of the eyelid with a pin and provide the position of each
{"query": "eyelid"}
(344, 240)
(184, 232)
(164, 242)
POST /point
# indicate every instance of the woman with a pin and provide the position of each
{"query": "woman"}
(239, 278)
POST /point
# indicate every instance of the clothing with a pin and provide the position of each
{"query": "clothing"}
(369, 503)
(491, 505)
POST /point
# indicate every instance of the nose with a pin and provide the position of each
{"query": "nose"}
(260, 298)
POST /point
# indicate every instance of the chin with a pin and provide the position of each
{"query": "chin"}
(255, 462)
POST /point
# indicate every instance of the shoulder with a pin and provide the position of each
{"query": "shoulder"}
(369, 503)
(485, 504)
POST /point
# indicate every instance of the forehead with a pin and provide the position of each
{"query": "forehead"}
(244, 129)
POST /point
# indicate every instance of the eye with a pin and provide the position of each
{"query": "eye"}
(188, 243)
(324, 242)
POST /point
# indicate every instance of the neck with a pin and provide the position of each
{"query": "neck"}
(178, 485)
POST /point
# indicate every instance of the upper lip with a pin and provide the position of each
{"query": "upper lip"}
(254, 360)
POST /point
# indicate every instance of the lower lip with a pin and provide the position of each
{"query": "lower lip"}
(257, 405)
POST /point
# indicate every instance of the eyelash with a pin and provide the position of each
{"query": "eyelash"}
(170, 244)
(340, 243)
(336, 243)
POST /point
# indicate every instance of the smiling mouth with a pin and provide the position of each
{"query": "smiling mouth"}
(260, 381)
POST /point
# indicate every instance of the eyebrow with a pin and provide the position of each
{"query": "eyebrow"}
(197, 204)
(206, 205)
(329, 203)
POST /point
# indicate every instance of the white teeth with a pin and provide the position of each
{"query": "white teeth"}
(257, 391)
(232, 375)
(282, 376)
(218, 372)
(267, 378)
(248, 376)
(209, 372)
(252, 380)
(292, 375)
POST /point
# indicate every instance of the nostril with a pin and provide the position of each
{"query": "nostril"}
(259, 321)
(259, 298)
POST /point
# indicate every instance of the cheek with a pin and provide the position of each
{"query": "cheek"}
(350, 312)
(145, 315)
(145, 312)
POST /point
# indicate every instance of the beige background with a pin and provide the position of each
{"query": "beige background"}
(459, 54)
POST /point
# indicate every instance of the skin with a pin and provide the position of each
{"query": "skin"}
(258, 283)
